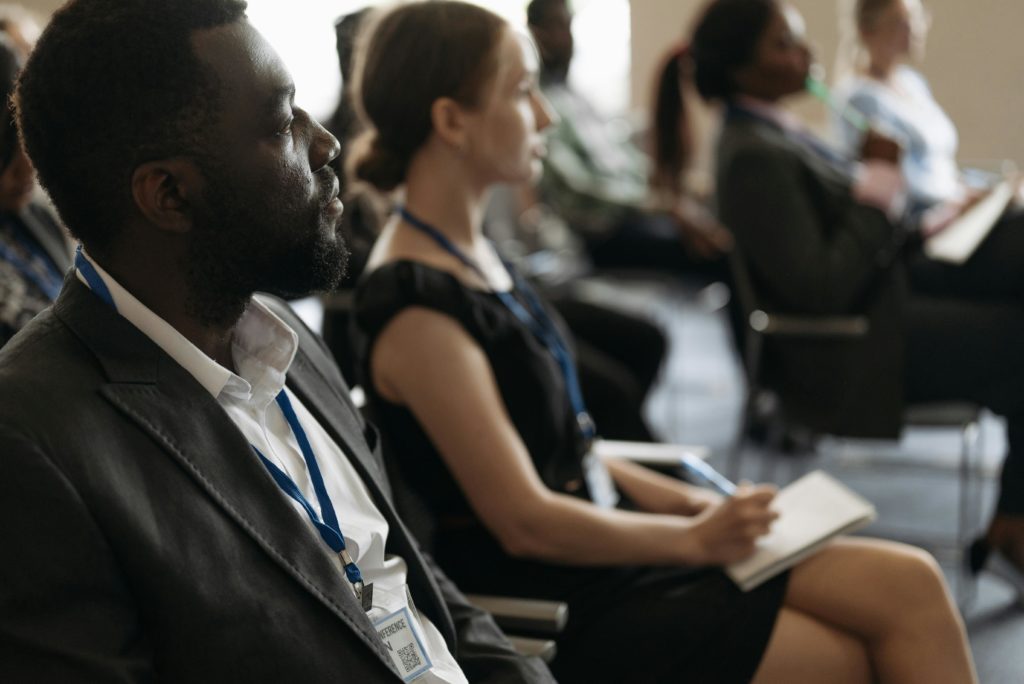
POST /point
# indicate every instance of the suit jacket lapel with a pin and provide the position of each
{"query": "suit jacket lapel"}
(340, 419)
(817, 153)
(188, 425)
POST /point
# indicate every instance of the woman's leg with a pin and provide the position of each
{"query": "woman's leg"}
(804, 649)
(968, 349)
(893, 599)
(995, 272)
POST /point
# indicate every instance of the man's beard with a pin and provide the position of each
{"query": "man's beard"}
(277, 244)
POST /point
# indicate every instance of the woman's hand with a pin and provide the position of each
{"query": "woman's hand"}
(728, 532)
(699, 230)
(699, 499)
(941, 216)
(880, 147)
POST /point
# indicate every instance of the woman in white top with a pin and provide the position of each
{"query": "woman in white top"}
(897, 99)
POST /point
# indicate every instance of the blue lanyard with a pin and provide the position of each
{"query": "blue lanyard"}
(48, 278)
(536, 320)
(93, 279)
(328, 527)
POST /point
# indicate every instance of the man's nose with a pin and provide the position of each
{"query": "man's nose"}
(324, 147)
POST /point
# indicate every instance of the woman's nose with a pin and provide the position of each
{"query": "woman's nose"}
(544, 113)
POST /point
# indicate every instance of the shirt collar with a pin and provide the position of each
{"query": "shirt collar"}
(772, 112)
(263, 346)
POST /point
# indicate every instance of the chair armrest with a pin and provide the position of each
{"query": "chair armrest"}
(652, 454)
(545, 649)
(783, 325)
(358, 395)
(941, 414)
(524, 615)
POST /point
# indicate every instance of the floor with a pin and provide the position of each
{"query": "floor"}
(913, 483)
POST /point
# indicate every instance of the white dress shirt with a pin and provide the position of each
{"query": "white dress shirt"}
(262, 350)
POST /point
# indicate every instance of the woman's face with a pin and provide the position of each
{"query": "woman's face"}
(781, 60)
(897, 32)
(504, 132)
(17, 182)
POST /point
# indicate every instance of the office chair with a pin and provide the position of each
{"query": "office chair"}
(763, 405)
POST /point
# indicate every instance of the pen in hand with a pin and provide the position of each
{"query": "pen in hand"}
(703, 474)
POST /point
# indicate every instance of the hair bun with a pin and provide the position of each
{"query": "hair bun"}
(372, 162)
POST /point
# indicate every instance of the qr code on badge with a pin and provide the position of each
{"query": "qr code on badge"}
(410, 658)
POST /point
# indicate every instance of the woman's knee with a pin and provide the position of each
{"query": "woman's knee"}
(914, 583)
(803, 648)
(869, 586)
(917, 567)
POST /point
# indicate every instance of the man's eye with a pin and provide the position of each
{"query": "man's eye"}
(287, 128)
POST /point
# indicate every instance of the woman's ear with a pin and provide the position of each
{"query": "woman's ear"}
(450, 122)
(164, 190)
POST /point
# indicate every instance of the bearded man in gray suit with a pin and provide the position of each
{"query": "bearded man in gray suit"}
(188, 492)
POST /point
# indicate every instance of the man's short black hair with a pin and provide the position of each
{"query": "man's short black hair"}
(110, 85)
(537, 10)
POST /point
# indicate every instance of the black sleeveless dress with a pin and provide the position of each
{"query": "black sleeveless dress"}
(626, 624)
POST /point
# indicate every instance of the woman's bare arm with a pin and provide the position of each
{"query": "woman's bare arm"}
(427, 362)
(656, 493)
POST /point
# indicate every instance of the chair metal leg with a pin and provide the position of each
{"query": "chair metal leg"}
(965, 584)
(734, 460)
(752, 366)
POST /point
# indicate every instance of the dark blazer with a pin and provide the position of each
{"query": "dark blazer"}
(811, 249)
(142, 540)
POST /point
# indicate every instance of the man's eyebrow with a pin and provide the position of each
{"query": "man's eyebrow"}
(285, 93)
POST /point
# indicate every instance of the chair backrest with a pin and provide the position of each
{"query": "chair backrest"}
(801, 336)
(749, 339)
(336, 324)
(746, 296)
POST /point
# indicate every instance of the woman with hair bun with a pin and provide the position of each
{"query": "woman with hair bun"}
(471, 378)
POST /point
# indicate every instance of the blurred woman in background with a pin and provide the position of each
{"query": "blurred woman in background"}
(823, 236)
(883, 38)
(33, 251)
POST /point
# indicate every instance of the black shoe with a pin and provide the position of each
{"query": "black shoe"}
(982, 556)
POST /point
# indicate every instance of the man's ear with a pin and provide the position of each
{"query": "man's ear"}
(164, 191)
(449, 120)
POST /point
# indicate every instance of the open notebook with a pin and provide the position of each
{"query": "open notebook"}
(812, 510)
(956, 242)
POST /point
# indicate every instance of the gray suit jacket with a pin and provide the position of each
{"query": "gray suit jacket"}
(142, 540)
(812, 250)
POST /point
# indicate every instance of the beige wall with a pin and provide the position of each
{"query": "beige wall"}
(42, 8)
(975, 62)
